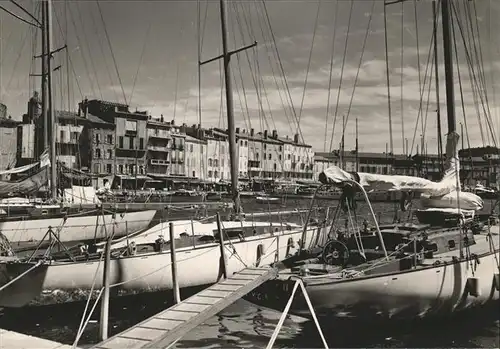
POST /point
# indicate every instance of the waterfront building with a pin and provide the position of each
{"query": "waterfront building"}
(195, 157)
(8, 142)
(254, 155)
(177, 159)
(97, 148)
(129, 138)
(158, 147)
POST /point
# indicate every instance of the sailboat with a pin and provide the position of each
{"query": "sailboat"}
(141, 262)
(68, 222)
(400, 271)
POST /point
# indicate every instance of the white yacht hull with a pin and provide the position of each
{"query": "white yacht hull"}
(196, 266)
(30, 232)
(402, 295)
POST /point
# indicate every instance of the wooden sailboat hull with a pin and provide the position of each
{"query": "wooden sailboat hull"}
(30, 232)
(196, 266)
(404, 295)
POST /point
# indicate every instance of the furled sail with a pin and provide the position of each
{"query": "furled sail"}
(25, 186)
(443, 194)
(29, 185)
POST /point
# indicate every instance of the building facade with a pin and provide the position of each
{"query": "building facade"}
(195, 157)
(159, 148)
(8, 143)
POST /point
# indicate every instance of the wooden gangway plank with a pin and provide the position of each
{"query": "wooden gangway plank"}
(166, 327)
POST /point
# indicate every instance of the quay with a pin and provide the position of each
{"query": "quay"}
(16, 340)
(167, 327)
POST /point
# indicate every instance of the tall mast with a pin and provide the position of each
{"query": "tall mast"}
(436, 73)
(50, 107)
(448, 66)
(44, 76)
(229, 106)
(357, 147)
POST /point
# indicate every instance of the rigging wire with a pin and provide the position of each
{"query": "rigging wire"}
(69, 57)
(282, 70)
(402, 78)
(341, 74)
(140, 60)
(309, 62)
(101, 49)
(388, 83)
(334, 36)
(360, 63)
(91, 56)
(111, 49)
(472, 72)
(85, 64)
(415, 13)
(18, 17)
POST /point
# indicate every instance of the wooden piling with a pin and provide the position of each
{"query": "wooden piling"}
(103, 328)
(175, 282)
(222, 248)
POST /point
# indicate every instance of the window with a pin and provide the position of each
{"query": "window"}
(131, 169)
(97, 138)
(131, 125)
(97, 168)
(216, 174)
(110, 154)
(210, 162)
(269, 156)
(265, 146)
(108, 168)
(74, 136)
(62, 136)
(109, 139)
(257, 156)
(191, 148)
(131, 143)
(241, 143)
(194, 173)
(246, 143)
(280, 156)
(281, 148)
(98, 153)
(141, 143)
(210, 174)
(120, 169)
(120, 140)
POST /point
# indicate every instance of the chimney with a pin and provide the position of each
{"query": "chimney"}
(85, 107)
(252, 132)
(237, 130)
(275, 134)
(161, 117)
(265, 134)
(296, 138)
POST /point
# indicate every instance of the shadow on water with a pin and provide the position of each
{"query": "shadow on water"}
(476, 328)
(245, 326)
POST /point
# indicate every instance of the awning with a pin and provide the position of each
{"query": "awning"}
(127, 177)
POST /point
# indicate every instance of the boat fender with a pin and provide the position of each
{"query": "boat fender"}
(289, 246)
(260, 253)
(472, 286)
(496, 281)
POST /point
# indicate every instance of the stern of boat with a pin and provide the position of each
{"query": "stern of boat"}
(25, 288)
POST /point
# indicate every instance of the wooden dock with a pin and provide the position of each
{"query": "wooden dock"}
(168, 326)
(15, 340)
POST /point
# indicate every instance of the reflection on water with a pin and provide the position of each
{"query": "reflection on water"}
(242, 325)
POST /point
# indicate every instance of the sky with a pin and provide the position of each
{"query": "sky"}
(145, 54)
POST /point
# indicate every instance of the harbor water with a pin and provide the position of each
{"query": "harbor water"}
(243, 325)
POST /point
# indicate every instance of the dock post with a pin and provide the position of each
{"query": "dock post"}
(223, 260)
(175, 282)
(103, 324)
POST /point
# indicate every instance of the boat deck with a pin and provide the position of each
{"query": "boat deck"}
(168, 326)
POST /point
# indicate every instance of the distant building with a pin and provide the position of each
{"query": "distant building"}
(159, 147)
(8, 143)
(130, 135)
(195, 157)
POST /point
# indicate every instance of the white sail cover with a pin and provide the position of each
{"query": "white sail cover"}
(443, 194)
(44, 161)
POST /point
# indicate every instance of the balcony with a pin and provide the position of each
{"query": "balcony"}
(158, 148)
(162, 134)
(159, 162)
